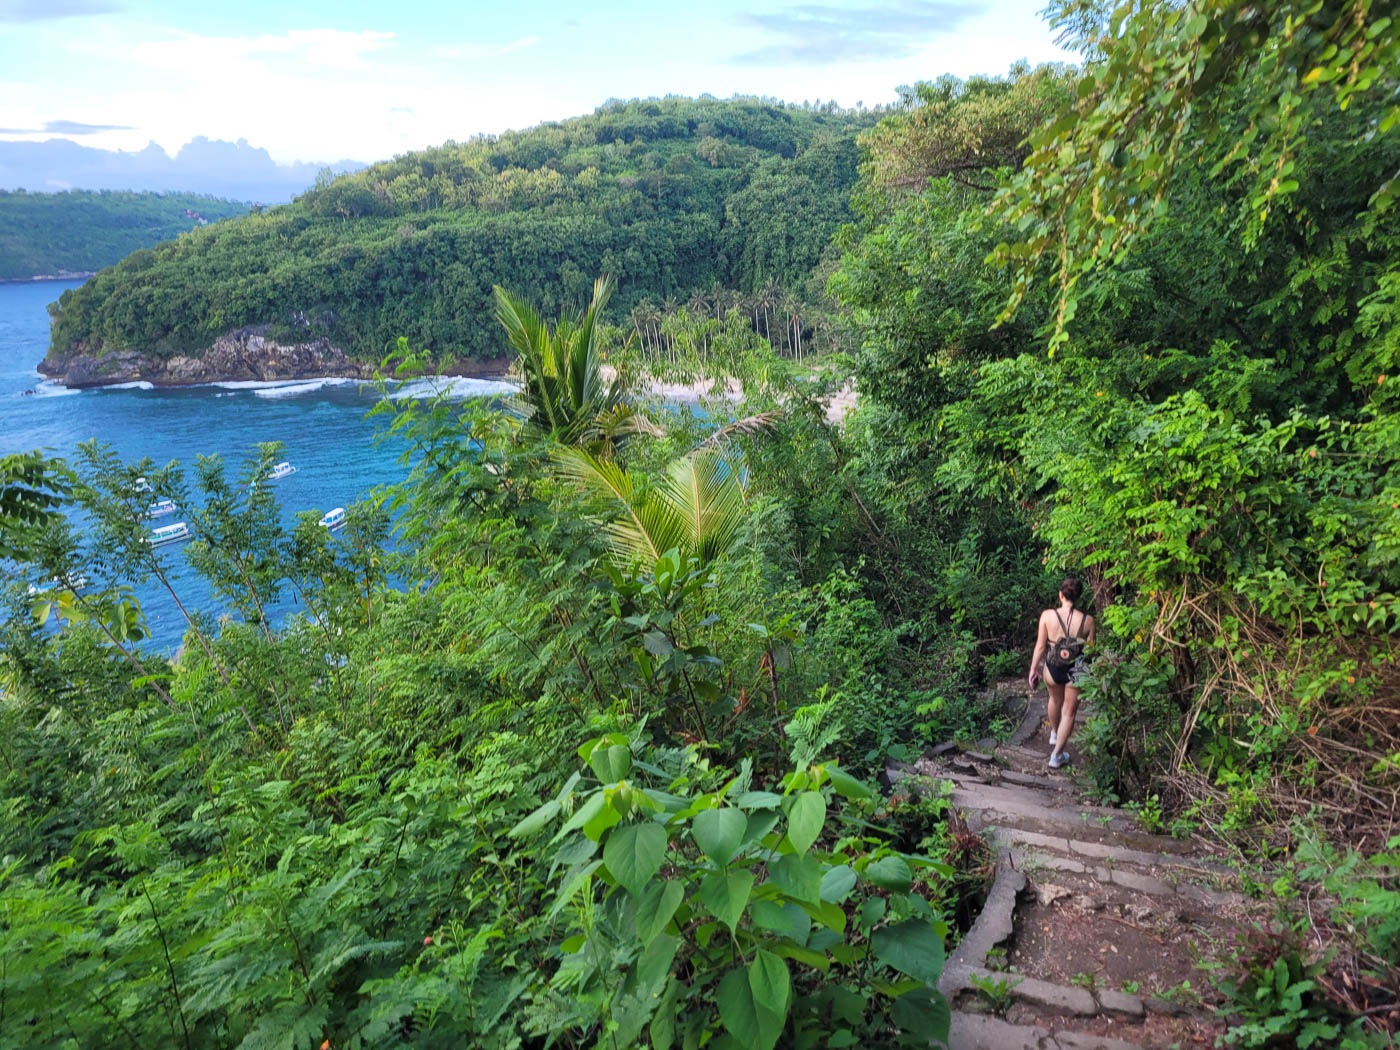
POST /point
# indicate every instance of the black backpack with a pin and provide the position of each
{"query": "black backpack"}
(1066, 652)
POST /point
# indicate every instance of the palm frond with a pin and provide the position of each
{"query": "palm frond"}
(758, 423)
(703, 491)
(645, 526)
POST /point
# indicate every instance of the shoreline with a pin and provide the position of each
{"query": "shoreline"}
(40, 278)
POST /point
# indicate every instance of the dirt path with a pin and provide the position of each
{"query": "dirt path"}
(1092, 931)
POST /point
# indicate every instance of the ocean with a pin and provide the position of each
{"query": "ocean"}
(322, 425)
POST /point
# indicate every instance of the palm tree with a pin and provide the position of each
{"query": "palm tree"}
(563, 391)
(695, 509)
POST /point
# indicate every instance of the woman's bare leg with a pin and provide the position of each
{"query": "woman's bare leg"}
(1053, 705)
(1066, 720)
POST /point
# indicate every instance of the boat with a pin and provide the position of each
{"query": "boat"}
(77, 582)
(160, 508)
(334, 518)
(141, 485)
(280, 471)
(169, 534)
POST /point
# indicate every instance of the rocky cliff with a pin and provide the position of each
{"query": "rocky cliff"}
(242, 355)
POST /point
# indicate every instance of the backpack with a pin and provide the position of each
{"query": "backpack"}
(1066, 652)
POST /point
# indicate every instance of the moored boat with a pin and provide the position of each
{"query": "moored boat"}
(77, 582)
(280, 471)
(169, 534)
(160, 508)
(334, 518)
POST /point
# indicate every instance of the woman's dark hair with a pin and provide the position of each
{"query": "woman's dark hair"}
(1070, 587)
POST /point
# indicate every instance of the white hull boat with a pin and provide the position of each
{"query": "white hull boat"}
(169, 534)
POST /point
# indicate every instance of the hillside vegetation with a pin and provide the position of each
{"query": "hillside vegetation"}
(586, 756)
(82, 230)
(671, 196)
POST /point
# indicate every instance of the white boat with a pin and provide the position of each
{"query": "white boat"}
(160, 508)
(280, 471)
(78, 582)
(334, 518)
(141, 485)
(169, 534)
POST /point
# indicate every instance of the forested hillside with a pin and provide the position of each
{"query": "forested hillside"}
(82, 230)
(672, 196)
(574, 738)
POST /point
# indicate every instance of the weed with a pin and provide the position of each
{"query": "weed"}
(999, 994)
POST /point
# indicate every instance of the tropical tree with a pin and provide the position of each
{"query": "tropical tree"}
(694, 509)
(563, 391)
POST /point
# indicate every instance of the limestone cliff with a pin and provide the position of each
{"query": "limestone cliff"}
(243, 355)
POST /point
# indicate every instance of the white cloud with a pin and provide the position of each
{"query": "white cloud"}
(334, 49)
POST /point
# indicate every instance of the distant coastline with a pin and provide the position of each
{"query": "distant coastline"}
(246, 355)
(62, 275)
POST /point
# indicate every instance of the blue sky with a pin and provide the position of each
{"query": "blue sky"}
(327, 80)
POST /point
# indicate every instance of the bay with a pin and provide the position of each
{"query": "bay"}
(322, 424)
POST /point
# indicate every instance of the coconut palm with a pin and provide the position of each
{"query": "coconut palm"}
(563, 391)
(695, 508)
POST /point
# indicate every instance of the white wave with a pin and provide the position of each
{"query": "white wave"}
(452, 387)
(297, 389)
(267, 384)
(48, 388)
(139, 384)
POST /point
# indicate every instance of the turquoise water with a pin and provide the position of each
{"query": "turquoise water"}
(322, 425)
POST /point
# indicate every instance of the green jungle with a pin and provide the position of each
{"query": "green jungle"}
(574, 740)
(81, 230)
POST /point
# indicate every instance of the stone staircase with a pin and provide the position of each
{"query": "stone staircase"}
(1091, 933)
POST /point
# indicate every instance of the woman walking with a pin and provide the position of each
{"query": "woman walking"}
(1064, 634)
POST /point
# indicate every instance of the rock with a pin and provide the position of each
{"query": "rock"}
(1084, 902)
(1049, 893)
(246, 354)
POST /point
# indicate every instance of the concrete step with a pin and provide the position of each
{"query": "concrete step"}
(1135, 881)
(971, 1031)
(1115, 851)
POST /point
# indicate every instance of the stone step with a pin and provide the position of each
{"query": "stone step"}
(972, 1031)
(1137, 882)
(1063, 998)
(1119, 850)
(1039, 811)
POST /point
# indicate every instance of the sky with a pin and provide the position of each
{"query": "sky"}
(315, 80)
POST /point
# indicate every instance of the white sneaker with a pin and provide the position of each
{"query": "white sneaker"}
(1052, 738)
(1062, 759)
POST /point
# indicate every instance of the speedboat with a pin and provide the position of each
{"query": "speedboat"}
(160, 508)
(169, 534)
(280, 471)
(334, 518)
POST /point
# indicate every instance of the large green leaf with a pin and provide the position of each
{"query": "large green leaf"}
(837, 883)
(752, 1025)
(799, 875)
(891, 873)
(805, 819)
(923, 1012)
(769, 982)
(719, 832)
(536, 820)
(726, 894)
(633, 853)
(657, 904)
(912, 948)
(610, 764)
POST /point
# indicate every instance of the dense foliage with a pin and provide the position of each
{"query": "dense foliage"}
(79, 231)
(582, 762)
(668, 196)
